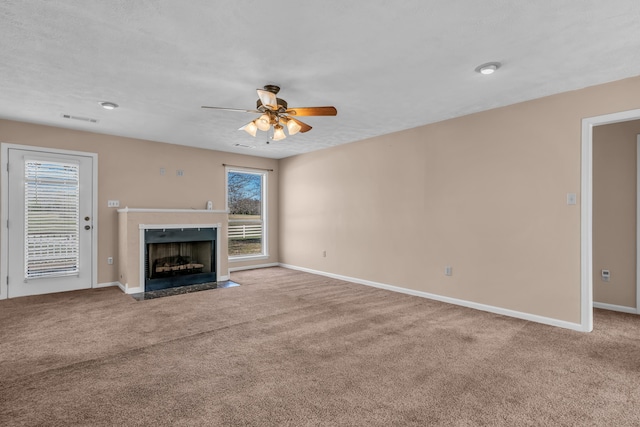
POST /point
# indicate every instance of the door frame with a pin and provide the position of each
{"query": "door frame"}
(4, 208)
(586, 212)
(637, 224)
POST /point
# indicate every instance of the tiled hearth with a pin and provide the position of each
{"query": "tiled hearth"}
(183, 290)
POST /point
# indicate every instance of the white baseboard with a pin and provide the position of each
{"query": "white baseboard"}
(106, 285)
(222, 278)
(469, 304)
(253, 267)
(614, 307)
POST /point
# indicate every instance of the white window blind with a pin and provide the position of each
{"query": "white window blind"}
(52, 219)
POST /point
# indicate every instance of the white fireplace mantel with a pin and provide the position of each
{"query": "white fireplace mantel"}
(133, 221)
(175, 226)
(153, 210)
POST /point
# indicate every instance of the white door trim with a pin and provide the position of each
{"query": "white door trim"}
(586, 211)
(637, 224)
(4, 208)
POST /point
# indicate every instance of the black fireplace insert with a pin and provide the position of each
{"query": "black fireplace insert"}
(179, 257)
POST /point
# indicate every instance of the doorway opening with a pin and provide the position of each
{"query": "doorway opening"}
(586, 210)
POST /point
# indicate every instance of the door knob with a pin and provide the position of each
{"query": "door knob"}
(86, 218)
(87, 227)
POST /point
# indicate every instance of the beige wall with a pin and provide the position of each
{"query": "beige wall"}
(484, 193)
(129, 171)
(614, 212)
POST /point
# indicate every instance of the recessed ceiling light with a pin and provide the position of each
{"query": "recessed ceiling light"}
(109, 105)
(488, 68)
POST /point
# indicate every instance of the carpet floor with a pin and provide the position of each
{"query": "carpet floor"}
(288, 348)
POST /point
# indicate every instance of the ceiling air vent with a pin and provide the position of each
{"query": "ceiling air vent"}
(82, 119)
(244, 146)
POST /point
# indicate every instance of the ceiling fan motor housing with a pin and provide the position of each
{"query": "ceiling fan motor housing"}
(282, 106)
(272, 88)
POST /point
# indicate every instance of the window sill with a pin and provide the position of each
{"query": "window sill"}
(248, 258)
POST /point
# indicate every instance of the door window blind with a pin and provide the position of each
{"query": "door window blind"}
(52, 219)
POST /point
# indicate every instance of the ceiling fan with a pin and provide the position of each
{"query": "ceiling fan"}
(276, 112)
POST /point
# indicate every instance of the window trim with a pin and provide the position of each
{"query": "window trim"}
(265, 204)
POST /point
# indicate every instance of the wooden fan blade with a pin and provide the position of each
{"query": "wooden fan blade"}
(304, 127)
(268, 99)
(232, 109)
(313, 111)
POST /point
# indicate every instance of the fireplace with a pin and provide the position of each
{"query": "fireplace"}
(178, 257)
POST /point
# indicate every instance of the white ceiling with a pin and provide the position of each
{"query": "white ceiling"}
(386, 66)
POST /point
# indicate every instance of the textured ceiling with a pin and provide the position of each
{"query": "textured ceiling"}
(386, 66)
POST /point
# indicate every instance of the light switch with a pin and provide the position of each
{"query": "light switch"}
(571, 198)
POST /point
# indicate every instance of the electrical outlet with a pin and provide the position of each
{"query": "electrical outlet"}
(606, 275)
(113, 203)
(448, 271)
(162, 171)
(180, 172)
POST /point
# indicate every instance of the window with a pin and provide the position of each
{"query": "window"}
(246, 202)
(52, 219)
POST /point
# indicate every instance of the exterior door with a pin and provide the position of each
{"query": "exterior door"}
(50, 213)
(637, 224)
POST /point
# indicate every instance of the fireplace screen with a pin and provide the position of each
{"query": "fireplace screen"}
(172, 259)
(179, 257)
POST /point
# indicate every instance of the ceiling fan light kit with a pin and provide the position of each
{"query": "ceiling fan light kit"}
(292, 126)
(263, 122)
(275, 112)
(278, 132)
(250, 128)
